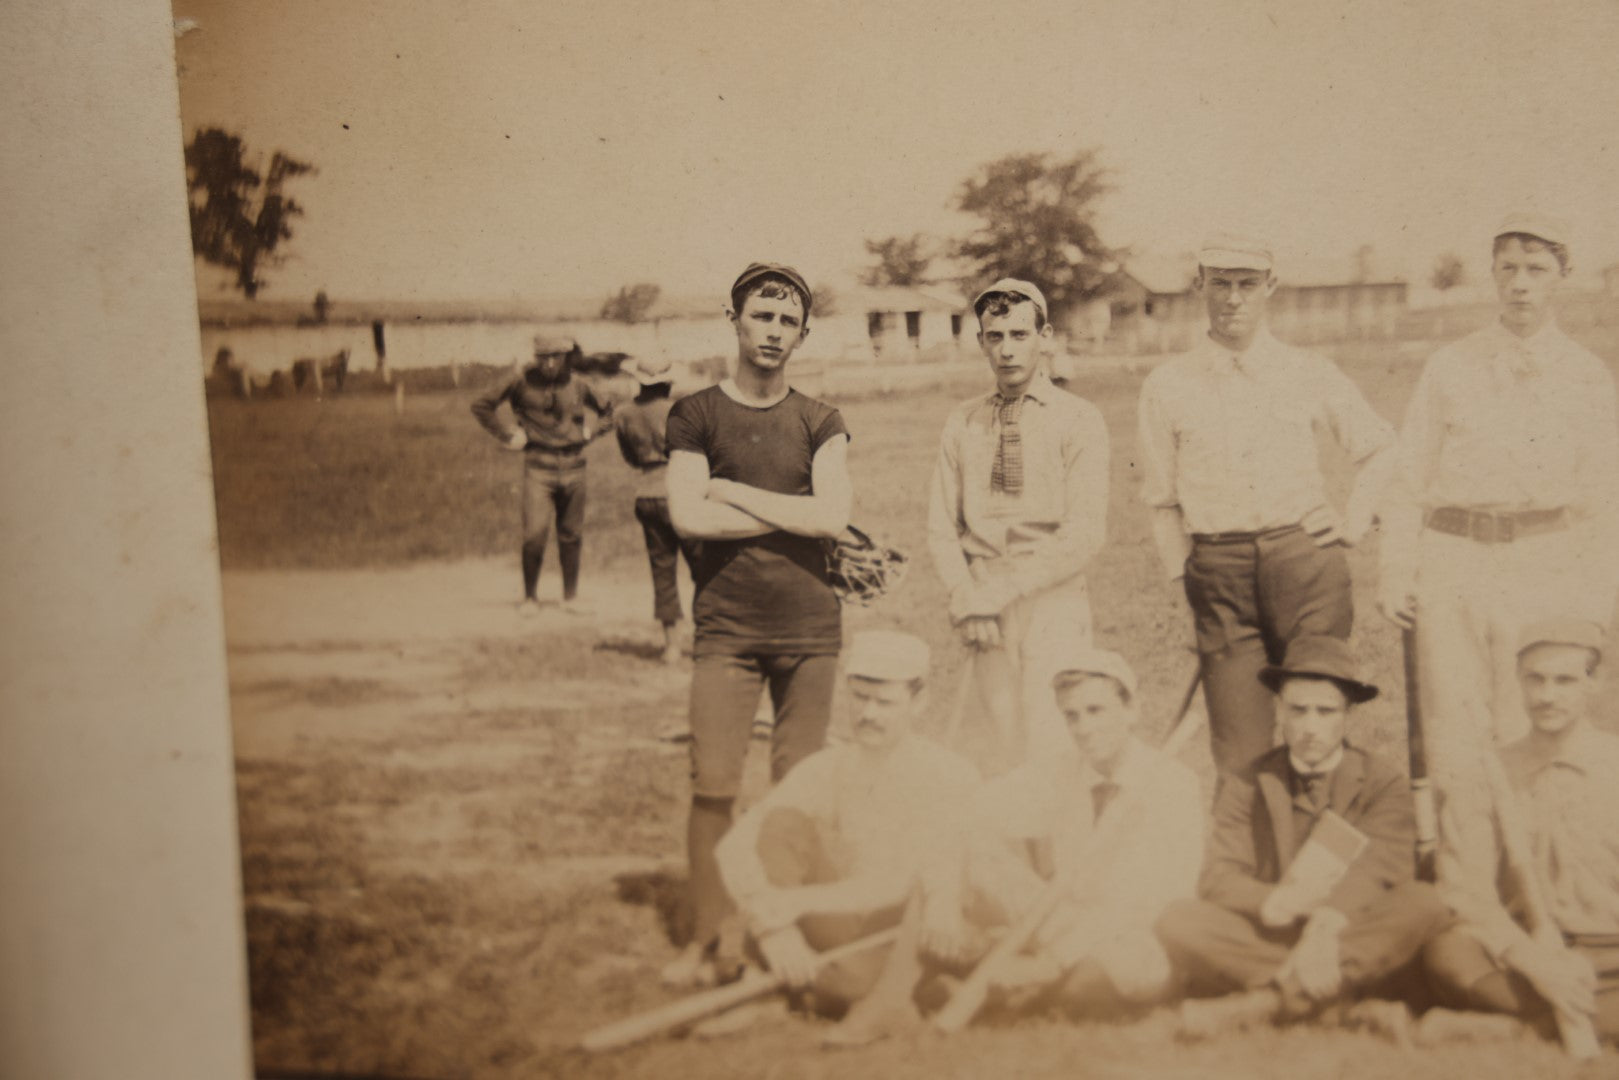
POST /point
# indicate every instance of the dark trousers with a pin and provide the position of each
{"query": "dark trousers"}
(793, 853)
(724, 697)
(1249, 598)
(1221, 950)
(1464, 976)
(663, 544)
(552, 496)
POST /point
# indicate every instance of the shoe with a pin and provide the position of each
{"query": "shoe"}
(575, 606)
(772, 1010)
(693, 969)
(674, 731)
(1439, 1026)
(1390, 1019)
(528, 607)
(671, 654)
(1206, 1018)
(870, 1022)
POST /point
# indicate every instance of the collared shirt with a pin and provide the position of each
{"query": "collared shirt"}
(1570, 803)
(880, 819)
(1143, 853)
(1502, 422)
(1049, 530)
(554, 415)
(1231, 439)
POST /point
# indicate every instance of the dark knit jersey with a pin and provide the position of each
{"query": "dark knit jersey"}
(764, 594)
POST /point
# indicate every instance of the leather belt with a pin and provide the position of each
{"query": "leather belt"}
(1495, 526)
(1242, 537)
(556, 459)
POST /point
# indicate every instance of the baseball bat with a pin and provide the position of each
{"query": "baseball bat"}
(1575, 1030)
(970, 995)
(1422, 797)
(1187, 722)
(754, 984)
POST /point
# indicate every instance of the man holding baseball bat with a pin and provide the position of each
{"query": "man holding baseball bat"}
(829, 855)
(1307, 896)
(1564, 787)
(1100, 839)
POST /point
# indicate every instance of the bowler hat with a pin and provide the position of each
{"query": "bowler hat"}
(1320, 657)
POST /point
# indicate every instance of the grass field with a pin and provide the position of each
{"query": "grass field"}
(462, 847)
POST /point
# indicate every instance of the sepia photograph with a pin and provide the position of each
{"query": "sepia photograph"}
(913, 540)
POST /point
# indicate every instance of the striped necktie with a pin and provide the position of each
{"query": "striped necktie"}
(1007, 473)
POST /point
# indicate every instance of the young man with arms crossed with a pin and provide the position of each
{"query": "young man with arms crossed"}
(759, 473)
(1018, 507)
(1116, 822)
(830, 854)
(1502, 511)
(1300, 944)
(557, 414)
(1565, 775)
(1239, 509)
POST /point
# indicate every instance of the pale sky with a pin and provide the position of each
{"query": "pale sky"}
(506, 150)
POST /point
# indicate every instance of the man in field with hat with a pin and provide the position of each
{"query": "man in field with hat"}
(1018, 508)
(1307, 895)
(830, 854)
(1502, 510)
(641, 426)
(759, 473)
(1564, 775)
(1112, 823)
(556, 413)
(1232, 474)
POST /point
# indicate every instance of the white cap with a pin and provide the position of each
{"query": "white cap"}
(887, 656)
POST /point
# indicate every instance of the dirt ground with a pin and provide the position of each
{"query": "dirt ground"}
(462, 849)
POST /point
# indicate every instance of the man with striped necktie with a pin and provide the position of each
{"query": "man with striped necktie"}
(1018, 508)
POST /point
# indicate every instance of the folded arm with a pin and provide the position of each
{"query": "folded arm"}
(696, 515)
(822, 514)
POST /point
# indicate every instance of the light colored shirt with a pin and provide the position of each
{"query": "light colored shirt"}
(1140, 856)
(880, 818)
(1505, 423)
(1230, 440)
(1048, 531)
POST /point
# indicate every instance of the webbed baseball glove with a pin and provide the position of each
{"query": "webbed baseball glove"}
(861, 570)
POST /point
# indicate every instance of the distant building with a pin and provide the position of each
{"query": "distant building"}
(1153, 307)
(902, 320)
(1610, 280)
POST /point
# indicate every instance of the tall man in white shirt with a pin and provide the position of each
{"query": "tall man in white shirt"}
(1501, 511)
(1233, 478)
(1018, 508)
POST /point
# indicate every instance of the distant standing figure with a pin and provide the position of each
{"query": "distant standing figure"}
(556, 414)
(641, 438)
(1232, 474)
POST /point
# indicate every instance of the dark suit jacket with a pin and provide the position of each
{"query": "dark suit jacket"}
(1254, 840)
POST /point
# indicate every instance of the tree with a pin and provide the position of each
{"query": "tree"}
(901, 260)
(1037, 217)
(238, 217)
(1448, 272)
(631, 303)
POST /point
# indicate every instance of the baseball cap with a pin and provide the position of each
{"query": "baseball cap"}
(1235, 251)
(757, 270)
(650, 370)
(1320, 657)
(552, 344)
(1561, 631)
(1077, 663)
(1014, 285)
(886, 655)
(1553, 230)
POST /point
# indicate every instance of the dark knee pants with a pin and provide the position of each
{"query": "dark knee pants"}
(1249, 598)
(1463, 975)
(1221, 950)
(724, 697)
(793, 853)
(663, 544)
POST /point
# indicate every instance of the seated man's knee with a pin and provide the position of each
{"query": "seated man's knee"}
(1454, 962)
(1180, 925)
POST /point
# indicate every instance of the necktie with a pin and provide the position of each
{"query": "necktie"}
(1314, 788)
(1007, 474)
(1102, 794)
